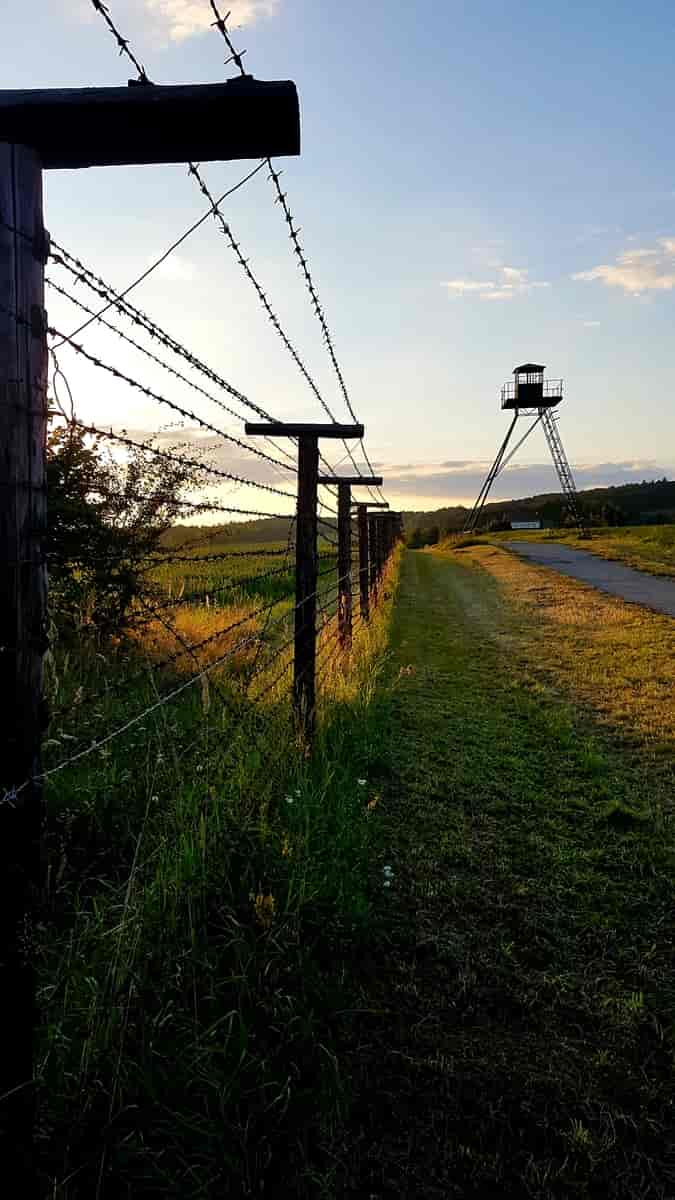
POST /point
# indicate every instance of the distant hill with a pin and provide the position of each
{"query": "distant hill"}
(629, 503)
(268, 529)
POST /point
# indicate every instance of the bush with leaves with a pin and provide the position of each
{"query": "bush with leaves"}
(106, 519)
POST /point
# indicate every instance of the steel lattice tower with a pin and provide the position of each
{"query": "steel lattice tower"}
(530, 395)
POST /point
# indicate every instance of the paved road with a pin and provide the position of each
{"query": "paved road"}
(635, 586)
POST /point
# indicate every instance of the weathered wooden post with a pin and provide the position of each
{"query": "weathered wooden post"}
(306, 554)
(344, 485)
(23, 615)
(367, 550)
(381, 524)
(71, 129)
(372, 551)
(386, 541)
(364, 590)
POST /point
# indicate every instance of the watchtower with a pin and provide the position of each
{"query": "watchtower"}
(528, 394)
(529, 389)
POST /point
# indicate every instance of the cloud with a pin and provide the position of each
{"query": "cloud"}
(591, 324)
(638, 270)
(510, 282)
(466, 285)
(181, 19)
(422, 485)
(442, 485)
(175, 270)
(514, 274)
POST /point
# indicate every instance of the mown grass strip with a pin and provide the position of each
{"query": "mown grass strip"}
(523, 953)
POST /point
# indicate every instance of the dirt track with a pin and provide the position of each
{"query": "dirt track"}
(634, 586)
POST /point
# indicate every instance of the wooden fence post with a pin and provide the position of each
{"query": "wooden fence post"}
(344, 485)
(381, 525)
(345, 565)
(372, 550)
(364, 590)
(306, 553)
(306, 578)
(368, 550)
(23, 599)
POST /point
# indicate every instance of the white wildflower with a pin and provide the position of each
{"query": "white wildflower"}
(361, 782)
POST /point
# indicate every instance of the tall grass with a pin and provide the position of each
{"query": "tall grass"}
(206, 876)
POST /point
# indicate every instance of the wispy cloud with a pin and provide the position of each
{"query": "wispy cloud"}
(181, 19)
(509, 283)
(638, 270)
(440, 484)
(416, 485)
(175, 270)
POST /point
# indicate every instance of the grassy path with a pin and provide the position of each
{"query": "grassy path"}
(518, 1002)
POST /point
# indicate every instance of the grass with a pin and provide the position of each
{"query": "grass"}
(517, 1031)
(245, 575)
(432, 959)
(204, 876)
(648, 548)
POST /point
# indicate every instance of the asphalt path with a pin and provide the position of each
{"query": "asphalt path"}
(637, 587)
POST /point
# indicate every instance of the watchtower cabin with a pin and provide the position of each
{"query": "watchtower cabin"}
(529, 389)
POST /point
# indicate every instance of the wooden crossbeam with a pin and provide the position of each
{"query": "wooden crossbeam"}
(152, 123)
(352, 480)
(325, 429)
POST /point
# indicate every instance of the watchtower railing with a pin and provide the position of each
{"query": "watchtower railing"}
(551, 392)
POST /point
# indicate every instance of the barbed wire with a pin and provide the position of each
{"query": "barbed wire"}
(235, 246)
(13, 793)
(287, 562)
(211, 558)
(186, 413)
(220, 531)
(327, 662)
(171, 659)
(281, 198)
(156, 561)
(179, 459)
(123, 43)
(168, 661)
(288, 466)
(85, 275)
(193, 170)
(220, 589)
(174, 246)
(171, 629)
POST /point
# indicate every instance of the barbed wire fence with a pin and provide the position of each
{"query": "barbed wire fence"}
(262, 635)
(178, 549)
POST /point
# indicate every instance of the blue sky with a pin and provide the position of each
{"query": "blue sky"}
(481, 184)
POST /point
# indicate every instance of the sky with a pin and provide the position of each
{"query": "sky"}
(480, 185)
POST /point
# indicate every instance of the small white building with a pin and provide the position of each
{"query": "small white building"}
(536, 524)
